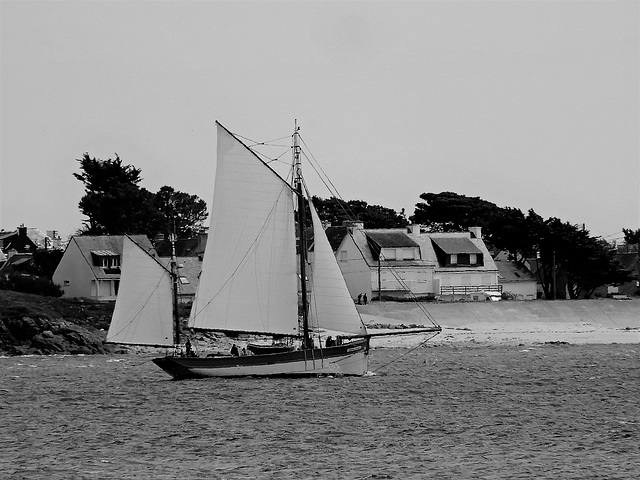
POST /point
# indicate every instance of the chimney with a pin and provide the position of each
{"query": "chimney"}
(353, 225)
(22, 231)
(476, 232)
(414, 229)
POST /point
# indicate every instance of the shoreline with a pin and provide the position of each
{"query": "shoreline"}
(605, 321)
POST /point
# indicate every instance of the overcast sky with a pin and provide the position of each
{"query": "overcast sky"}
(526, 104)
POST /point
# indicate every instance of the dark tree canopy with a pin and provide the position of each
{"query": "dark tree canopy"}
(448, 212)
(115, 204)
(180, 212)
(632, 237)
(336, 211)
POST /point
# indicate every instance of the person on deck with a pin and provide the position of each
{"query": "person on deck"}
(234, 351)
(364, 298)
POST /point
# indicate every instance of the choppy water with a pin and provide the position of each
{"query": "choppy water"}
(556, 411)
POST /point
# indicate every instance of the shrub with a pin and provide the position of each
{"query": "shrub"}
(31, 284)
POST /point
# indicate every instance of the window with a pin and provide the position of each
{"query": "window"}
(463, 259)
(454, 259)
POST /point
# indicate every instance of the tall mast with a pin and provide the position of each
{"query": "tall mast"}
(307, 341)
(174, 276)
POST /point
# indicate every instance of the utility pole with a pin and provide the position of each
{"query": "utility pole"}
(553, 278)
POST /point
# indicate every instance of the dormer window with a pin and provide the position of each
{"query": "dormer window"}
(457, 252)
(106, 259)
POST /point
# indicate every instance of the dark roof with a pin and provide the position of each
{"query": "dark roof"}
(390, 239)
(111, 243)
(453, 245)
(510, 271)
(189, 267)
(20, 260)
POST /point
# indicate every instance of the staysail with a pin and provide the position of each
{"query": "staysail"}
(249, 280)
(331, 306)
(143, 314)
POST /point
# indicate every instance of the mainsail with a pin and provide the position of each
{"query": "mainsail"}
(331, 306)
(248, 281)
(143, 311)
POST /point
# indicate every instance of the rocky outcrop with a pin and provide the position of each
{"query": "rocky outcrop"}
(41, 336)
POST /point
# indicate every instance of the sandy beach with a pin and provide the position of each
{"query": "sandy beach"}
(603, 321)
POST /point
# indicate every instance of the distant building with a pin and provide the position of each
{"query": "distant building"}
(398, 263)
(17, 241)
(90, 266)
(516, 279)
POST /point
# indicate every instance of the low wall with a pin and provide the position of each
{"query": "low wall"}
(606, 312)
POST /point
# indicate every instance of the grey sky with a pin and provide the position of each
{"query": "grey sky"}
(525, 104)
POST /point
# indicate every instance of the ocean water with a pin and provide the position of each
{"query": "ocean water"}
(553, 411)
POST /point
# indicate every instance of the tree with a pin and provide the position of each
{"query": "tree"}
(336, 211)
(450, 212)
(181, 213)
(46, 261)
(631, 237)
(570, 260)
(115, 203)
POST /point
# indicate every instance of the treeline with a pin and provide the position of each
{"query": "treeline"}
(568, 257)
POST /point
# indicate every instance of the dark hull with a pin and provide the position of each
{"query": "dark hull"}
(347, 359)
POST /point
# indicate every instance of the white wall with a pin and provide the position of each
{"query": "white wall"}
(74, 270)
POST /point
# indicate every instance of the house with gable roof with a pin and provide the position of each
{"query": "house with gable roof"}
(398, 263)
(90, 266)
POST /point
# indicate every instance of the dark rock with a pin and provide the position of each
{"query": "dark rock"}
(22, 328)
(53, 344)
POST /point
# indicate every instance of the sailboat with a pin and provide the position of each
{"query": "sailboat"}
(258, 278)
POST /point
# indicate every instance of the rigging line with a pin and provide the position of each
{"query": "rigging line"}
(411, 294)
(278, 157)
(318, 163)
(406, 353)
(250, 249)
(266, 142)
(341, 202)
(266, 158)
(322, 175)
(334, 192)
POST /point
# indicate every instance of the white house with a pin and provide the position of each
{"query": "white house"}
(398, 263)
(90, 266)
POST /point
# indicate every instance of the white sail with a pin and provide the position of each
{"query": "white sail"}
(143, 314)
(331, 306)
(248, 281)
